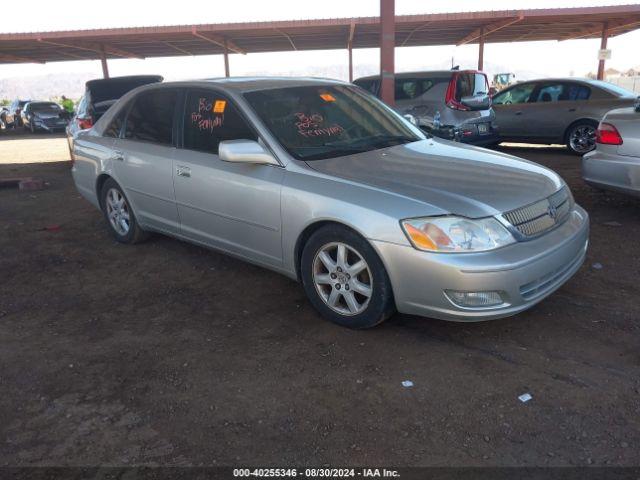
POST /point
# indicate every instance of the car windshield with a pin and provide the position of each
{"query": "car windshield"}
(327, 121)
(45, 107)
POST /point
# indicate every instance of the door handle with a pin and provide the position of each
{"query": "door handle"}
(117, 155)
(572, 109)
(183, 171)
(518, 113)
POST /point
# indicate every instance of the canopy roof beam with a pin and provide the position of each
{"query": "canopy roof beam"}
(218, 40)
(597, 29)
(487, 30)
(6, 57)
(92, 47)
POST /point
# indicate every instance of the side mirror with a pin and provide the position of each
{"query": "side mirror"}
(245, 151)
(476, 102)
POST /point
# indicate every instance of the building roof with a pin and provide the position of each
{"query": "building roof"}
(318, 34)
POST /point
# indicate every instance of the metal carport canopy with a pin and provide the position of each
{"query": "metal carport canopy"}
(320, 34)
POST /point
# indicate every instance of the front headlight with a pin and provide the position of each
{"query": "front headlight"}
(456, 234)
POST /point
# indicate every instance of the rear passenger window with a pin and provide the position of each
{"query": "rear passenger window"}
(549, 93)
(407, 89)
(211, 118)
(151, 117)
(572, 91)
(115, 127)
(426, 85)
(369, 85)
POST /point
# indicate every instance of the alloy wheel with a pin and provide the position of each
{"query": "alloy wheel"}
(582, 138)
(118, 211)
(342, 278)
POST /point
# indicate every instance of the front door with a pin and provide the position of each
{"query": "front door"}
(231, 206)
(143, 159)
(513, 109)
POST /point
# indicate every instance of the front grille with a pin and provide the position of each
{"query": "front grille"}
(52, 122)
(541, 216)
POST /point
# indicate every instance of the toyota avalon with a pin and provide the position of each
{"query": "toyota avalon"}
(322, 182)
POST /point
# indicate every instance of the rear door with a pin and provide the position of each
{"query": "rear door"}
(548, 114)
(231, 206)
(143, 158)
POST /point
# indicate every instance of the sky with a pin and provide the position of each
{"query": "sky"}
(527, 60)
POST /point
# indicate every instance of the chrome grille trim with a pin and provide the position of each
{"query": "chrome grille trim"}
(536, 218)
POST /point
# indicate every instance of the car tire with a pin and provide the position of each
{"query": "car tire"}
(580, 137)
(344, 290)
(119, 215)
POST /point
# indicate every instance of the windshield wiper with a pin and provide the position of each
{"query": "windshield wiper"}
(335, 152)
(391, 140)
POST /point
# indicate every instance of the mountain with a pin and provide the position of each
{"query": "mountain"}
(45, 86)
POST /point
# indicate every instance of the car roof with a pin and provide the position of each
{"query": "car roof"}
(422, 74)
(248, 84)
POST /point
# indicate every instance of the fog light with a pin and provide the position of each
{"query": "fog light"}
(475, 299)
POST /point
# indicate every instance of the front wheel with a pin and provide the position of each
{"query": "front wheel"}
(345, 279)
(119, 214)
(581, 137)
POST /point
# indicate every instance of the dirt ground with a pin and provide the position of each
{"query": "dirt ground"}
(168, 354)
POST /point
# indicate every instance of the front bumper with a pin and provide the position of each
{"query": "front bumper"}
(611, 171)
(50, 126)
(524, 273)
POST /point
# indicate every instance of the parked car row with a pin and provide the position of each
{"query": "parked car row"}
(320, 181)
(456, 105)
(34, 116)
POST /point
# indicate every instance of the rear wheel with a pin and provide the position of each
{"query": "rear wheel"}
(119, 214)
(345, 279)
(581, 137)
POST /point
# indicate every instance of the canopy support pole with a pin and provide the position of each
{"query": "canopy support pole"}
(387, 46)
(481, 50)
(226, 59)
(352, 29)
(103, 61)
(603, 46)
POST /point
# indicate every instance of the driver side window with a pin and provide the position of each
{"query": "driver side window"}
(516, 94)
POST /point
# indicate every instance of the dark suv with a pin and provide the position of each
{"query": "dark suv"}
(452, 104)
(99, 95)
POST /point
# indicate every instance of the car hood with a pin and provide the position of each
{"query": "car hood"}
(455, 178)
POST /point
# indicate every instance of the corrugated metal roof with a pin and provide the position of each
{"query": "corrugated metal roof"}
(317, 34)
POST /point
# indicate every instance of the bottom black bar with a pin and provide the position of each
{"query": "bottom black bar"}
(412, 473)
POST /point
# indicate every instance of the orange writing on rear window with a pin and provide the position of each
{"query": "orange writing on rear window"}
(327, 97)
(219, 106)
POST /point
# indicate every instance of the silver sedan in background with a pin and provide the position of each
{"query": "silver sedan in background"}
(557, 110)
(322, 182)
(615, 163)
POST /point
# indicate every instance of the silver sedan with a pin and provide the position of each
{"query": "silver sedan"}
(320, 181)
(615, 163)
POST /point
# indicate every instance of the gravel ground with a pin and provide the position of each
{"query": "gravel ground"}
(168, 354)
